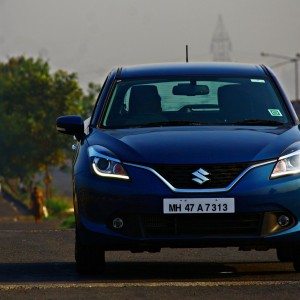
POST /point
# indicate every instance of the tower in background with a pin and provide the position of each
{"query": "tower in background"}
(220, 46)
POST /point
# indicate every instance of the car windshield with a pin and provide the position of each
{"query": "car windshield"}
(194, 101)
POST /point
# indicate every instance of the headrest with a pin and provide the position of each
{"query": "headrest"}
(234, 102)
(231, 94)
(144, 99)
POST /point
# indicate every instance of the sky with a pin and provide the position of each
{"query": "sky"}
(90, 37)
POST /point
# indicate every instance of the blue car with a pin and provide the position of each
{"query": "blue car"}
(186, 155)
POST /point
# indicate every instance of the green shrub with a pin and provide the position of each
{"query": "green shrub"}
(69, 222)
(57, 205)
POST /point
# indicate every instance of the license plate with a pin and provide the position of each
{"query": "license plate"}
(199, 206)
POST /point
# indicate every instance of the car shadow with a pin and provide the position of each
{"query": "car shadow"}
(131, 271)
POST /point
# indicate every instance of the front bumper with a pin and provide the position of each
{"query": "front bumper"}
(139, 202)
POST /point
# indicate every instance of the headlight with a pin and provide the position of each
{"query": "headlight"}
(105, 164)
(287, 165)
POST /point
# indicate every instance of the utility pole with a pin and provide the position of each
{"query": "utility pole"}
(287, 60)
(220, 46)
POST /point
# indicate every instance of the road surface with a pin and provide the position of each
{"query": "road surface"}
(36, 261)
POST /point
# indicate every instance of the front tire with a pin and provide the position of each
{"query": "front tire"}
(90, 259)
(284, 254)
(296, 258)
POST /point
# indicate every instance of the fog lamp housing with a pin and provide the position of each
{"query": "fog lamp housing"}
(283, 220)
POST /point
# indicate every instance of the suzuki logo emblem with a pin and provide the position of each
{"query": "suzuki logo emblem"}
(200, 174)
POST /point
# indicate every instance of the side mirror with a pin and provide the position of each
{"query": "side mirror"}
(72, 125)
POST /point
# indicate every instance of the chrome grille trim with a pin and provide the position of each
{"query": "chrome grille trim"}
(212, 190)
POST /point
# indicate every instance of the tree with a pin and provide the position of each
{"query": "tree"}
(31, 98)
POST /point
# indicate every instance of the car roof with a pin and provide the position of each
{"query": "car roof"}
(185, 69)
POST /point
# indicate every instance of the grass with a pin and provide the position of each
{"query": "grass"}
(57, 205)
(68, 222)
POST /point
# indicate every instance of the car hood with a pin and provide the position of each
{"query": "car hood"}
(194, 145)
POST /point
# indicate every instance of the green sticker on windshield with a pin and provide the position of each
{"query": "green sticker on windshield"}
(275, 112)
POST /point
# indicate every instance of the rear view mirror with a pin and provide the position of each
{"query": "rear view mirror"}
(190, 89)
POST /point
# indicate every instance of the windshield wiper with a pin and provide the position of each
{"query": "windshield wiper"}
(257, 122)
(170, 123)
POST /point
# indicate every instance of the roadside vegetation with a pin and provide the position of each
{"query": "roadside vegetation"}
(32, 96)
(58, 205)
(62, 208)
(68, 222)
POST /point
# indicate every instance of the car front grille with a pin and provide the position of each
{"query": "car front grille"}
(202, 225)
(220, 175)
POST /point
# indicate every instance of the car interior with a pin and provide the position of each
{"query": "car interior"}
(235, 102)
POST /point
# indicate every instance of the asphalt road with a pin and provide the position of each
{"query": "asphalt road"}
(36, 261)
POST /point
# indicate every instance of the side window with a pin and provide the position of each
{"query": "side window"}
(126, 100)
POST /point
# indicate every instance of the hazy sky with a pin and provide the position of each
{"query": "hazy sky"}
(91, 36)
